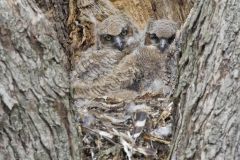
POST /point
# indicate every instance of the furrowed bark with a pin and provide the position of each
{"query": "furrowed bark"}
(57, 12)
(36, 120)
(208, 89)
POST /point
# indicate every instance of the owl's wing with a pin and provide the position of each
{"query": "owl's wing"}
(123, 76)
(92, 65)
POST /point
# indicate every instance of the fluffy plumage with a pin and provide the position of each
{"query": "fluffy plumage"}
(135, 72)
(148, 68)
(91, 65)
(160, 33)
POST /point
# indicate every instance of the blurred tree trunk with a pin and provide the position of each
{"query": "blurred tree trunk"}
(208, 89)
(36, 121)
(141, 11)
(84, 14)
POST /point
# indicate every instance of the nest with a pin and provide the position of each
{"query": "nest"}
(125, 129)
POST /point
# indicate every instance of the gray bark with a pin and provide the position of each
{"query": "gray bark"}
(36, 121)
(57, 11)
(208, 90)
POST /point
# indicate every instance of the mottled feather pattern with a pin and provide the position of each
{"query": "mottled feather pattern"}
(92, 65)
(113, 25)
(144, 64)
(162, 28)
(151, 63)
(144, 69)
(122, 76)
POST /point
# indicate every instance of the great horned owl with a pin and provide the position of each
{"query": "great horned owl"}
(148, 68)
(117, 32)
(160, 33)
(116, 36)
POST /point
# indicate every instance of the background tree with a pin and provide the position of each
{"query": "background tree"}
(85, 14)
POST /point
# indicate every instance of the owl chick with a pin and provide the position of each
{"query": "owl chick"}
(117, 32)
(160, 34)
(116, 36)
(146, 69)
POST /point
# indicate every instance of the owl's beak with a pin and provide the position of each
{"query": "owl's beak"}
(163, 44)
(118, 43)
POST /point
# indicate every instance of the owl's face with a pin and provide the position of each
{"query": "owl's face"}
(116, 32)
(160, 34)
(119, 41)
(162, 43)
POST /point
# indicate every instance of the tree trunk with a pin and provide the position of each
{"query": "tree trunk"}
(36, 120)
(57, 12)
(208, 89)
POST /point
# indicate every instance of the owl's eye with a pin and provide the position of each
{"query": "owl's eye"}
(124, 33)
(153, 36)
(108, 37)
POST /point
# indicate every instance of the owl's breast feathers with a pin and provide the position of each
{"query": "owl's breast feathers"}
(92, 65)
